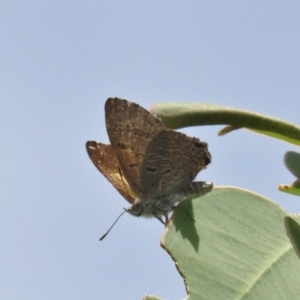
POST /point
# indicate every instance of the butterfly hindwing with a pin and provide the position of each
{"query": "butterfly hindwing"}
(172, 161)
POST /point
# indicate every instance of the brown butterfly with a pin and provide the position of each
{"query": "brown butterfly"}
(152, 167)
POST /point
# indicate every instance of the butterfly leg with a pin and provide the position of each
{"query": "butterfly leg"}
(165, 222)
(160, 219)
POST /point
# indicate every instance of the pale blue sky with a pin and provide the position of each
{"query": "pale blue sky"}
(59, 61)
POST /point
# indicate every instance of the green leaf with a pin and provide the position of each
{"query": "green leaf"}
(292, 162)
(293, 232)
(178, 115)
(232, 244)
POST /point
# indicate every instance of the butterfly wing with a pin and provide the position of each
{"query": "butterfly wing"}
(130, 129)
(105, 160)
(172, 161)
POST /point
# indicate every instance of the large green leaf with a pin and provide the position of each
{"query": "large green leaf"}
(178, 115)
(232, 244)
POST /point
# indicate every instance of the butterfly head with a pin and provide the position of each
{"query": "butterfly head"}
(136, 209)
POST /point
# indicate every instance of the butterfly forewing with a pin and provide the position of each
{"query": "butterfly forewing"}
(104, 158)
(172, 161)
(130, 128)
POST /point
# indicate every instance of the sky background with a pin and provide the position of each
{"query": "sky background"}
(59, 62)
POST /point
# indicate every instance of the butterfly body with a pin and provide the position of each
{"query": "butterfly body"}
(151, 166)
(162, 205)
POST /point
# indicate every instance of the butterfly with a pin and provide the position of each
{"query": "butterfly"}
(151, 166)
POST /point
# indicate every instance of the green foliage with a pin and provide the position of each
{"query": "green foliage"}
(232, 244)
(178, 115)
(292, 162)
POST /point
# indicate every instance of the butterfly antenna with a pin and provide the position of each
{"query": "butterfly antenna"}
(103, 236)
